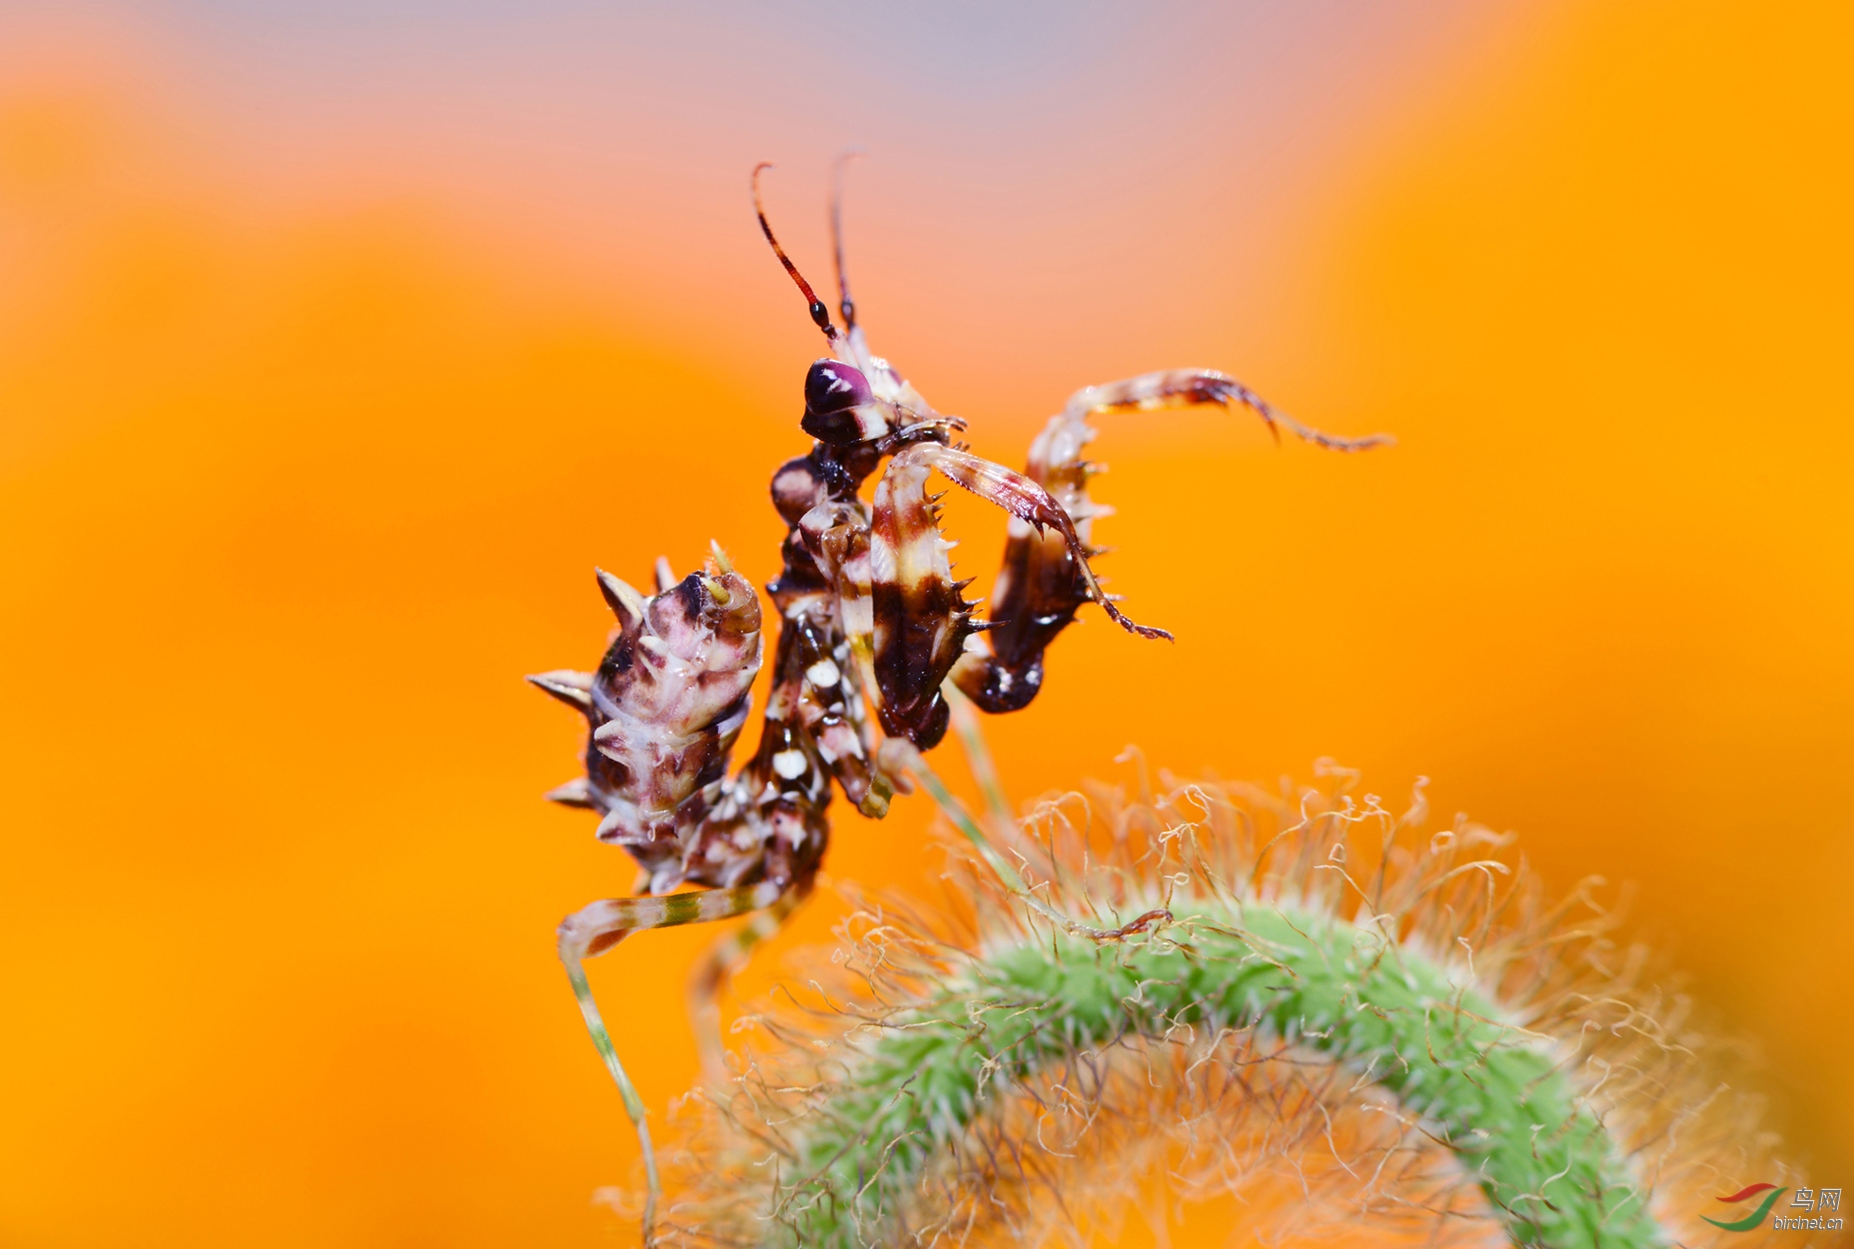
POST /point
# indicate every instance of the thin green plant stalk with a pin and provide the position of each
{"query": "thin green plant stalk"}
(1009, 876)
(978, 758)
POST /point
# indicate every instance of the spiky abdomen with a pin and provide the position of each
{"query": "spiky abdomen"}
(664, 708)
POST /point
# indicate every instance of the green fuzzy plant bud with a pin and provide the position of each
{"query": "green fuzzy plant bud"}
(1199, 982)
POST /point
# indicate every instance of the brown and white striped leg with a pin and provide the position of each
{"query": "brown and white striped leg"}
(918, 625)
(1179, 388)
(724, 958)
(597, 928)
(1042, 581)
(1026, 500)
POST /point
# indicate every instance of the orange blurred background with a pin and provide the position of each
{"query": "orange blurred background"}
(339, 342)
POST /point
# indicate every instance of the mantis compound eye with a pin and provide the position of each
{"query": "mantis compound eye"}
(831, 386)
(840, 407)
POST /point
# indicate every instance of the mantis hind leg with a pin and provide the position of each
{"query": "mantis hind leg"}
(597, 928)
(724, 958)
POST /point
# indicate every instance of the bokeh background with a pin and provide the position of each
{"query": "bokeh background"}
(339, 341)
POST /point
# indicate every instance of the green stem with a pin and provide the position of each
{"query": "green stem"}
(1488, 1091)
(968, 828)
(978, 757)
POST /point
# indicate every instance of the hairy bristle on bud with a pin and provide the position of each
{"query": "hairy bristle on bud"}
(1390, 1025)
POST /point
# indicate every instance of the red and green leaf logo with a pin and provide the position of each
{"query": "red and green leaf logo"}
(1771, 1193)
